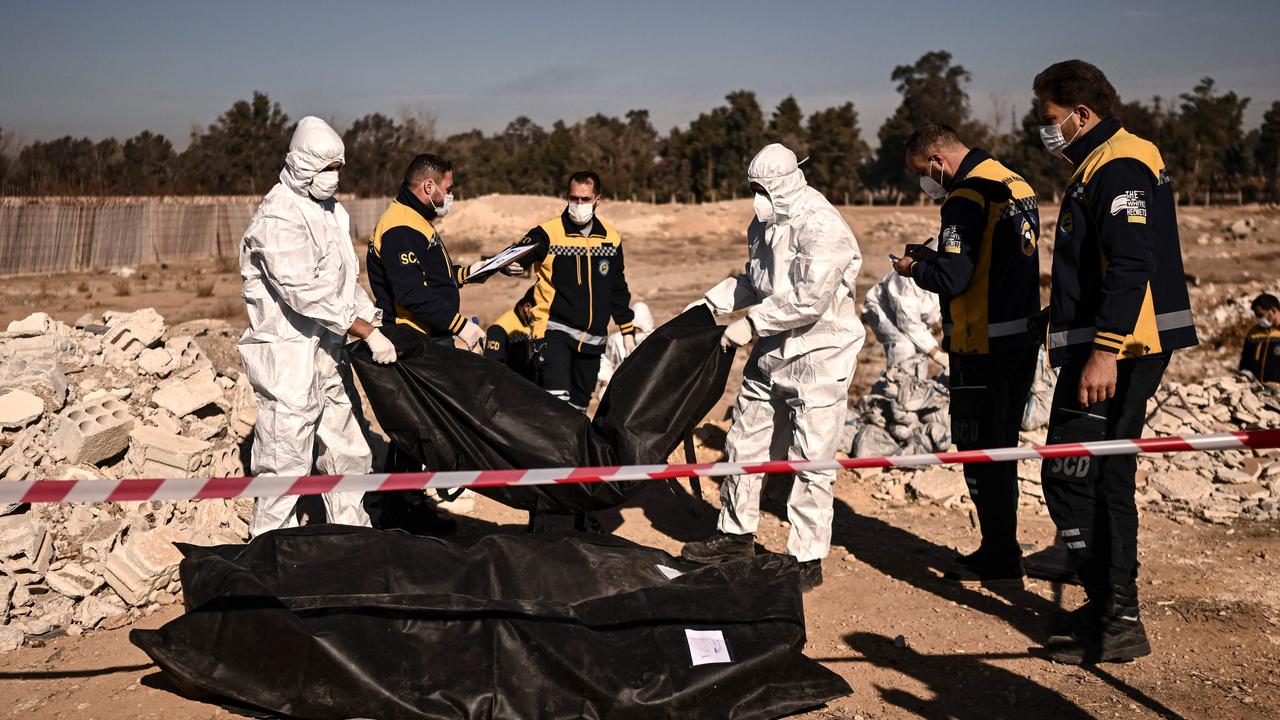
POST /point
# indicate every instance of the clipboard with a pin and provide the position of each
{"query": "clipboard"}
(501, 260)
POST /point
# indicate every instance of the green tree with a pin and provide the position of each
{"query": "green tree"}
(933, 90)
(1208, 136)
(147, 165)
(787, 127)
(837, 152)
(1267, 154)
(719, 145)
(241, 152)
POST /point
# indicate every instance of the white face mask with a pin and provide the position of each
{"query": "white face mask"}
(1265, 323)
(763, 206)
(1051, 136)
(933, 188)
(324, 185)
(581, 214)
(443, 208)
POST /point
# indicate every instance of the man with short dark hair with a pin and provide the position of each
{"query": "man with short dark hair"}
(1118, 308)
(413, 278)
(986, 270)
(1261, 353)
(581, 283)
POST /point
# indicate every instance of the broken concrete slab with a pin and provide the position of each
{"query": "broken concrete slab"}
(31, 326)
(18, 409)
(95, 609)
(73, 580)
(156, 361)
(95, 430)
(147, 562)
(1182, 485)
(41, 375)
(186, 351)
(11, 638)
(939, 485)
(184, 397)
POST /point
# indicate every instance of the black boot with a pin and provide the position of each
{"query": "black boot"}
(1116, 636)
(984, 568)
(810, 575)
(1065, 622)
(720, 547)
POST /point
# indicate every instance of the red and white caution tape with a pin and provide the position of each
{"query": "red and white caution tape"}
(136, 489)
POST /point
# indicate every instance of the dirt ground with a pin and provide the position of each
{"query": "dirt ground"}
(909, 644)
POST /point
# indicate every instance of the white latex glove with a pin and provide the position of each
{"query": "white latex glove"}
(472, 268)
(628, 344)
(472, 335)
(738, 333)
(696, 303)
(384, 353)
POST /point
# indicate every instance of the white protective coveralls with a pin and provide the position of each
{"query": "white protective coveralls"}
(615, 352)
(799, 286)
(300, 290)
(901, 314)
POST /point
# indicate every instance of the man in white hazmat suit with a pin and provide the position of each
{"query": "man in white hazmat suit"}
(900, 315)
(615, 350)
(300, 290)
(799, 288)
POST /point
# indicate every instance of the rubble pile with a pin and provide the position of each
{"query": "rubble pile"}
(112, 397)
(906, 413)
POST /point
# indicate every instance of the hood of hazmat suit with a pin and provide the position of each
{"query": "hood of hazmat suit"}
(799, 284)
(901, 312)
(300, 291)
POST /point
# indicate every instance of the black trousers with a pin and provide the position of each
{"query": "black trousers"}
(568, 373)
(1091, 499)
(988, 395)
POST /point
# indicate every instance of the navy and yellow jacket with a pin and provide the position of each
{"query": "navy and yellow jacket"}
(414, 281)
(1261, 354)
(508, 341)
(1118, 282)
(987, 270)
(581, 282)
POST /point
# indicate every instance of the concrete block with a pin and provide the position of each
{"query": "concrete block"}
(186, 351)
(94, 431)
(73, 580)
(185, 397)
(146, 563)
(18, 409)
(156, 453)
(156, 361)
(54, 611)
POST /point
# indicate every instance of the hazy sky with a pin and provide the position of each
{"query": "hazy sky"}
(100, 69)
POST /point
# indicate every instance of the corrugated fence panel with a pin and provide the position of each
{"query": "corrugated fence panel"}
(49, 237)
(118, 236)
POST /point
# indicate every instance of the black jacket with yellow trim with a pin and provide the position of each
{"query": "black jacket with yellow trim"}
(987, 270)
(1261, 353)
(581, 282)
(508, 341)
(1118, 281)
(414, 281)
